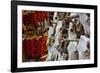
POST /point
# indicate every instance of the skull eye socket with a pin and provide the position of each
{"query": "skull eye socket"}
(55, 17)
(86, 53)
(71, 30)
(76, 51)
(88, 45)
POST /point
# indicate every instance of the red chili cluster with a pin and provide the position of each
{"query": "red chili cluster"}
(34, 17)
(34, 48)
